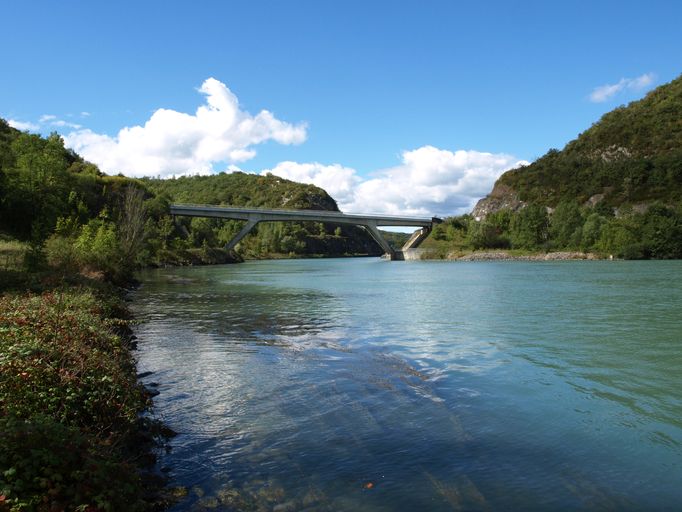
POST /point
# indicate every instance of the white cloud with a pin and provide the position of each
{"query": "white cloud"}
(52, 120)
(22, 125)
(174, 143)
(85, 114)
(61, 123)
(339, 181)
(429, 181)
(606, 92)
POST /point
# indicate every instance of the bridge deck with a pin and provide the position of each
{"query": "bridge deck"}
(228, 212)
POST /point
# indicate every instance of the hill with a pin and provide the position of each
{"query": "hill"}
(631, 157)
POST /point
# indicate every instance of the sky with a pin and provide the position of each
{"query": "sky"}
(409, 107)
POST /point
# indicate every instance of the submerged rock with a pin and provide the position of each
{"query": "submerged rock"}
(289, 506)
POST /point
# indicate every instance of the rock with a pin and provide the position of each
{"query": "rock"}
(178, 492)
(234, 499)
(500, 198)
(312, 497)
(288, 506)
(505, 256)
(208, 502)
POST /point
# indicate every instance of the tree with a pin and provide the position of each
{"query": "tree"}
(591, 231)
(661, 232)
(131, 225)
(565, 224)
(529, 227)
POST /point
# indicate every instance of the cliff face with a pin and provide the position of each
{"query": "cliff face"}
(631, 157)
(502, 197)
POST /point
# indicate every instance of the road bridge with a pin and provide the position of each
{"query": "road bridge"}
(370, 223)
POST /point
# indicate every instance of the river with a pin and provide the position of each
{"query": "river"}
(366, 385)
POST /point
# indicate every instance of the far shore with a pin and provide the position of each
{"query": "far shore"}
(427, 254)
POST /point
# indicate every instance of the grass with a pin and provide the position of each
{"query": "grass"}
(11, 254)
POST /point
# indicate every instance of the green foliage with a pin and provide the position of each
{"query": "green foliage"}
(632, 155)
(529, 228)
(592, 231)
(492, 232)
(50, 466)
(97, 245)
(69, 400)
(655, 233)
(565, 226)
(12, 254)
(241, 189)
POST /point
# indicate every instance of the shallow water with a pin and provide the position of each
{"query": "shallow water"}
(359, 384)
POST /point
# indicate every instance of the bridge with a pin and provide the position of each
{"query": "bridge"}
(370, 223)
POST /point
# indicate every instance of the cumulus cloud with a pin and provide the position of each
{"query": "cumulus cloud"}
(22, 125)
(175, 143)
(606, 92)
(339, 181)
(428, 181)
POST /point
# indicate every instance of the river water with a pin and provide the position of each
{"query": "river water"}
(366, 385)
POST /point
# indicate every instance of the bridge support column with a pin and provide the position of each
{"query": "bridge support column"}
(374, 231)
(244, 231)
(416, 238)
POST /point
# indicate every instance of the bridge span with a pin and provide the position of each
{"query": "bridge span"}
(370, 223)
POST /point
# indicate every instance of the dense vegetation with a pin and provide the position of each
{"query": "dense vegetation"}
(615, 190)
(632, 155)
(655, 233)
(69, 405)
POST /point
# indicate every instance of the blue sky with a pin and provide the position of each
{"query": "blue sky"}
(370, 97)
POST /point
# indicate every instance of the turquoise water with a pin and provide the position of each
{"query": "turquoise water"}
(359, 384)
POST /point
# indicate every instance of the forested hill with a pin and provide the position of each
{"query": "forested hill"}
(241, 189)
(631, 157)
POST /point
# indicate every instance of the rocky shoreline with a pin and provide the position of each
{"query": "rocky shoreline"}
(505, 256)
(430, 254)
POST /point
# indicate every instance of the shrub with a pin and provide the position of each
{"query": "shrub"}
(69, 405)
(46, 465)
(61, 254)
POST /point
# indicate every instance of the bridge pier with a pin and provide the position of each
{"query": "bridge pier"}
(417, 238)
(250, 224)
(372, 229)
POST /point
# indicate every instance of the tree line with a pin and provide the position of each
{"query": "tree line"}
(653, 232)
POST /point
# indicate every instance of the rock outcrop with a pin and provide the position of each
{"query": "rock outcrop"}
(502, 197)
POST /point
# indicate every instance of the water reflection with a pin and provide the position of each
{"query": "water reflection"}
(361, 385)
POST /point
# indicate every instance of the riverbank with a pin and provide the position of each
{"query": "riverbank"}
(70, 401)
(508, 256)
(430, 254)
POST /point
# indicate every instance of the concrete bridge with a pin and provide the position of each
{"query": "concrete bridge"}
(370, 223)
